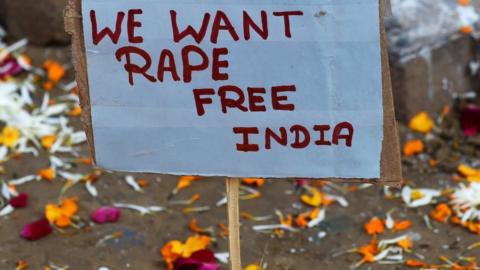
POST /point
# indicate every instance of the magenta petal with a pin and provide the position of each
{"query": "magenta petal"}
(470, 120)
(188, 264)
(20, 201)
(105, 215)
(36, 230)
(9, 67)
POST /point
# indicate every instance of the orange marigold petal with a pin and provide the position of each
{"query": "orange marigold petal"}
(413, 147)
(415, 263)
(374, 226)
(441, 213)
(402, 225)
(254, 181)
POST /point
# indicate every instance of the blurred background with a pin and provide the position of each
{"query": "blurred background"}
(58, 212)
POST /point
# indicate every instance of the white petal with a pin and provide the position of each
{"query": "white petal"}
(318, 219)
(3, 152)
(222, 201)
(273, 227)
(6, 191)
(222, 257)
(22, 180)
(132, 183)
(6, 210)
(91, 189)
(389, 221)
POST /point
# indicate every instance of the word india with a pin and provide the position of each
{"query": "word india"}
(230, 97)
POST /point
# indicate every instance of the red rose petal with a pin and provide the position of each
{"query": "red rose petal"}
(205, 256)
(20, 201)
(105, 215)
(36, 230)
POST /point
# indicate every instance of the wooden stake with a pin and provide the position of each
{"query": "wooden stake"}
(233, 185)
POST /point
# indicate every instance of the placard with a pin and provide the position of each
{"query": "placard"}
(237, 88)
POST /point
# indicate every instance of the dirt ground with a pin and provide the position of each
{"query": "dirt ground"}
(143, 236)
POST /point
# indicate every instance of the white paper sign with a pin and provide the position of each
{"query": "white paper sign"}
(249, 88)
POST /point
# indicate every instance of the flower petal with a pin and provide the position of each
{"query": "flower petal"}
(36, 230)
(19, 201)
(105, 215)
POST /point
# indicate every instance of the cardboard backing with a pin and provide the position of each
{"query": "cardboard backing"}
(391, 171)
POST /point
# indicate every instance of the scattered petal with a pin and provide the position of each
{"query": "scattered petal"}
(19, 201)
(36, 230)
(105, 215)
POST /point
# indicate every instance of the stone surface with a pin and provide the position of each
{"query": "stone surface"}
(429, 79)
(429, 59)
(39, 21)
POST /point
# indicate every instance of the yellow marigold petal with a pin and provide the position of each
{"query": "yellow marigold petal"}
(466, 171)
(421, 123)
(417, 194)
(52, 212)
(48, 141)
(315, 199)
(76, 111)
(9, 136)
(474, 178)
(171, 252)
(252, 267)
(406, 244)
(194, 244)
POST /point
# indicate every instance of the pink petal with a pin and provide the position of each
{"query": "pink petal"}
(470, 120)
(36, 230)
(20, 201)
(105, 214)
